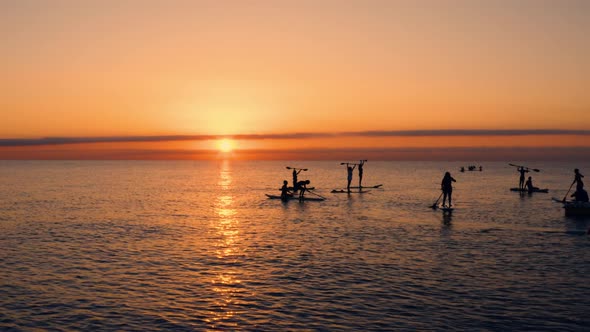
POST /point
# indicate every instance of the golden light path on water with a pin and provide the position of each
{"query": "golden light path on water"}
(228, 245)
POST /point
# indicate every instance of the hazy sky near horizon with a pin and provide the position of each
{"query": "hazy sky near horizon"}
(131, 67)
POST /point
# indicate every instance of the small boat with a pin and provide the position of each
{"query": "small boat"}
(373, 187)
(573, 208)
(296, 198)
(344, 191)
(535, 190)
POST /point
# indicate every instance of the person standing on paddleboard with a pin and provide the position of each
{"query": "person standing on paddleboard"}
(349, 175)
(521, 170)
(295, 172)
(447, 188)
(362, 162)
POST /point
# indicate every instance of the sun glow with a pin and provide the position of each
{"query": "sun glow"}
(225, 145)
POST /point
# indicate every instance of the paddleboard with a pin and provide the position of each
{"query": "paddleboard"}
(442, 208)
(305, 198)
(344, 191)
(446, 209)
(535, 190)
(375, 186)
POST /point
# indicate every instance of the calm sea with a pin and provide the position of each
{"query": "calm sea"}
(193, 246)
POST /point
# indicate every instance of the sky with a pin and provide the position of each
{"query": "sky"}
(151, 79)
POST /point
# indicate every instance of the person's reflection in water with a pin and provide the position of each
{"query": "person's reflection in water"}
(447, 218)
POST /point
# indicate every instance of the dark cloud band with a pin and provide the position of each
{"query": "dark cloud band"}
(13, 142)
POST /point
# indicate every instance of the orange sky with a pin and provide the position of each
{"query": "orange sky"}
(129, 68)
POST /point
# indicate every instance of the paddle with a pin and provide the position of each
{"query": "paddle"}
(320, 196)
(434, 206)
(568, 191)
(527, 168)
(303, 169)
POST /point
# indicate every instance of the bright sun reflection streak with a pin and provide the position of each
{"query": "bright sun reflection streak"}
(226, 282)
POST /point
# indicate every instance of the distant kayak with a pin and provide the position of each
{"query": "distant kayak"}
(305, 198)
(535, 190)
(344, 191)
(374, 187)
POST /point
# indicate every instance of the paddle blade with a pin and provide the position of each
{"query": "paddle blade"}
(288, 167)
(305, 169)
(536, 170)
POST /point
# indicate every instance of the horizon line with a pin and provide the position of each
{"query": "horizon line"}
(57, 140)
(578, 154)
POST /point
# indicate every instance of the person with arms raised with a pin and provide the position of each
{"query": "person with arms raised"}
(349, 170)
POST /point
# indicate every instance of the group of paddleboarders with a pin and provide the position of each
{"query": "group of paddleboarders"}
(301, 186)
(580, 195)
(298, 186)
(528, 185)
(471, 168)
(349, 174)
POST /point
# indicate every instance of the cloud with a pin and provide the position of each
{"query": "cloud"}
(14, 142)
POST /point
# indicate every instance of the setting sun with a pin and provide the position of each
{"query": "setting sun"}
(225, 145)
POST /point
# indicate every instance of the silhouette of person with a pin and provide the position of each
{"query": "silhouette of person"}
(447, 188)
(462, 169)
(362, 162)
(295, 173)
(529, 184)
(302, 185)
(285, 193)
(349, 177)
(580, 195)
(578, 179)
(522, 171)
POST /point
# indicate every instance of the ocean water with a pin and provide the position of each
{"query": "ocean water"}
(196, 246)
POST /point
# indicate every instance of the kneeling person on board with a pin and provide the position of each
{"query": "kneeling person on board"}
(285, 193)
(302, 185)
(580, 195)
(529, 185)
(447, 188)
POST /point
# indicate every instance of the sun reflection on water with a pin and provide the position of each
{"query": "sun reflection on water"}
(226, 283)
